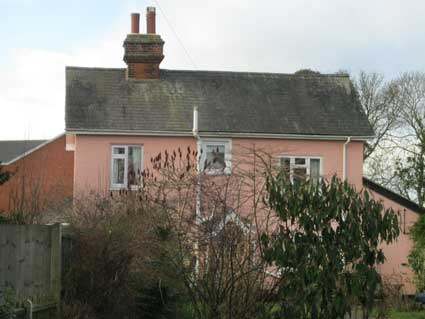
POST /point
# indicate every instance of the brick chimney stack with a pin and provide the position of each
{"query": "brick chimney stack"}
(143, 52)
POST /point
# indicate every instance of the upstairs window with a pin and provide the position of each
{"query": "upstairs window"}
(126, 166)
(216, 157)
(302, 167)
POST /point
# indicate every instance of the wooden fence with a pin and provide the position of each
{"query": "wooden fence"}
(30, 264)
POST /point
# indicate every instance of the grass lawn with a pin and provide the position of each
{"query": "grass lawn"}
(407, 315)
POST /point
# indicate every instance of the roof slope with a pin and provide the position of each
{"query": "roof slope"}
(228, 102)
(368, 183)
(9, 150)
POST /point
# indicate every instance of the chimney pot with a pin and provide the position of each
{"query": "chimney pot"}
(150, 20)
(135, 22)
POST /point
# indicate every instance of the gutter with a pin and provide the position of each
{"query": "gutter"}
(219, 134)
(344, 158)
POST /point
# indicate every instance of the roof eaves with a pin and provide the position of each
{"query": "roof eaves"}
(126, 132)
(289, 136)
(216, 134)
(70, 67)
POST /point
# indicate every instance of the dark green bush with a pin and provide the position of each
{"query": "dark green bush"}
(327, 246)
(7, 303)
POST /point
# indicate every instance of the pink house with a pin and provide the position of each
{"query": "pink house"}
(117, 119)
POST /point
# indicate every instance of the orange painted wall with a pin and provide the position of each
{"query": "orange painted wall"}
(48, 169)
(397, 253)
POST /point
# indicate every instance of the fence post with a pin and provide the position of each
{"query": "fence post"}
(28, 309)
(55, 264)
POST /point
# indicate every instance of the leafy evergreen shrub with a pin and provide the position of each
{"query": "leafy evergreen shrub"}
(7, 303)
(326, 246)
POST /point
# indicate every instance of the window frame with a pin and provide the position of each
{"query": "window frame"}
(114, 186)
(202, 145)
(307, 159)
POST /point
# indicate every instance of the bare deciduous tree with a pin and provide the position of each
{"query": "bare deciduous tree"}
(378, 99)
(409, 138)
(213, 255)
(216, 252)
(398, 159)
(33, 195)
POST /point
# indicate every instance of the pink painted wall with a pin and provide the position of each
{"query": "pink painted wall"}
(329, 151)
(396, 254)
(93, 159)
(92, 155)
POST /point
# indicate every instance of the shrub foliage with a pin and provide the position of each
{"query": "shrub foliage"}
(326, 246)
(246, 245)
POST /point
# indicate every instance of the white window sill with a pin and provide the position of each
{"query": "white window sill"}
(217, 172)
(119, 188)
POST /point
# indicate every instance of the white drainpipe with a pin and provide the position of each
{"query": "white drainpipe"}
(195, 132)
(195, 129)
(344, 158)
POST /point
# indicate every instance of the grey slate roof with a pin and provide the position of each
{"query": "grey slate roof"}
(9, 150)
(229, 102)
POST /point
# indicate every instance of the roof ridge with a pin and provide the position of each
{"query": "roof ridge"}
(92, 68)
(224, 72)
(251, 73)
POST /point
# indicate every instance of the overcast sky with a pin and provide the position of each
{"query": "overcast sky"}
(40, 37)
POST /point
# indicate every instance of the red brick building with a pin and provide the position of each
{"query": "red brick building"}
(42, 174)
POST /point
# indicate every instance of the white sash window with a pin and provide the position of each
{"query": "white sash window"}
(302, 167)
(216, 156)
(126, 166)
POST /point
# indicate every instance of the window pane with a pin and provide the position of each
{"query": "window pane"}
(119, 150)
(215, 157)
(118, 171)
(285, 163)
(300, 161)
(134, 165)
(315, 169)
(300, 173)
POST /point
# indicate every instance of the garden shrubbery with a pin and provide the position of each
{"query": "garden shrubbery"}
(112, 270)
(7, 303)
(246, 245)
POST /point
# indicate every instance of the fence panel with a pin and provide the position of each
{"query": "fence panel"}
(30, 262)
